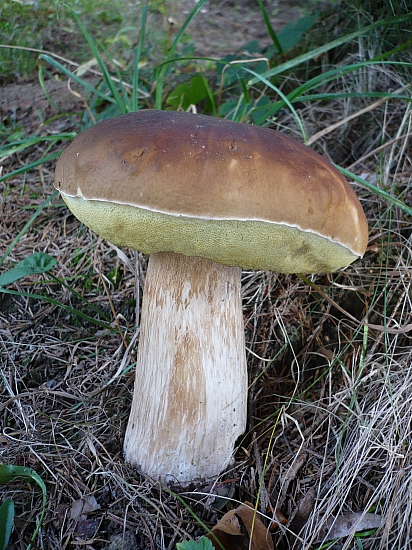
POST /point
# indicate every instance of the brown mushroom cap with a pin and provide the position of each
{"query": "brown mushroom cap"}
(201, 186)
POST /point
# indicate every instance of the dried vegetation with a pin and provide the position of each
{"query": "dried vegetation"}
(330, 417)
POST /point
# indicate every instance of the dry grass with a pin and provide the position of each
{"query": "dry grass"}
(330, 374)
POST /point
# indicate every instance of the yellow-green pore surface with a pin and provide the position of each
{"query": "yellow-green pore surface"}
(233, 193)
(248, 244)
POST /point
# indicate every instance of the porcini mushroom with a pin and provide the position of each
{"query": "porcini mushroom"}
(204, 197)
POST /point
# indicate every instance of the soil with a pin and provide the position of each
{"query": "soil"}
(222, 27)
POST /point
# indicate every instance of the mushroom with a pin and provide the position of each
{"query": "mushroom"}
(204, 197)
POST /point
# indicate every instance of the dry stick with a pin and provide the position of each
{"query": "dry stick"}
(83, 66)
(388, 166)
(42, 391)
(378, 149)
(116, 317)
(332, 127)
(82, 99)
(388, 330)
(120, 369)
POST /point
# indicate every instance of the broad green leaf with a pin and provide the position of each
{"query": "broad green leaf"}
(160, 71)
(39, 262)
(9, 472)
(188, 93)
(6, 522)
(293, 32)
(201, 544)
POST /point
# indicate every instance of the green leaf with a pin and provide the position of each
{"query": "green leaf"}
(137, 55)
(6, 522)
(269, 28)
(27, 167)
(201, 544)
(70, 74)
(16, 145)
(377, 190)
(292, 33)
(188, 93)
(160, 71)
(106, 75)
(39, 262)
(9, 472)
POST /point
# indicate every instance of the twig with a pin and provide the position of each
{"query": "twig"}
(332, 127)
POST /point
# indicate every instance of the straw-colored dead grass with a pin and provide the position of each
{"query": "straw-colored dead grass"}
(330, 379)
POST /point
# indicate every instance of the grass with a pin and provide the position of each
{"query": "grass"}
(8, 473)
(52, 28)
(329, 356)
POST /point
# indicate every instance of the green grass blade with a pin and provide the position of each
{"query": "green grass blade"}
(16, 239)
(160, 71)
(348, 95)
(49, 300)
(194, 515)
(120, 81)
(269, 28)
(103, 68)
(394, 51)
(339, 72)
(283, 67)
(209, 94)
(283, 96)
(17, 146)
(9, 472)
(298, 94)
(377, 190)
(28, 167)
(77, 79)
(43, 87)
(245, 90)
(6, 522)
(137, 55)
(81, 298)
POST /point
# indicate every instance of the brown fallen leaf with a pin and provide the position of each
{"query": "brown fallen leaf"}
(84, 506)
(241, 529)
(348, 524)
(86, 528)
(304, 509)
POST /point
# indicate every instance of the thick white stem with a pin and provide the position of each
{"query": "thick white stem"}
(189, 402)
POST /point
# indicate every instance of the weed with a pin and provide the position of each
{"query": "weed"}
(10, 473)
